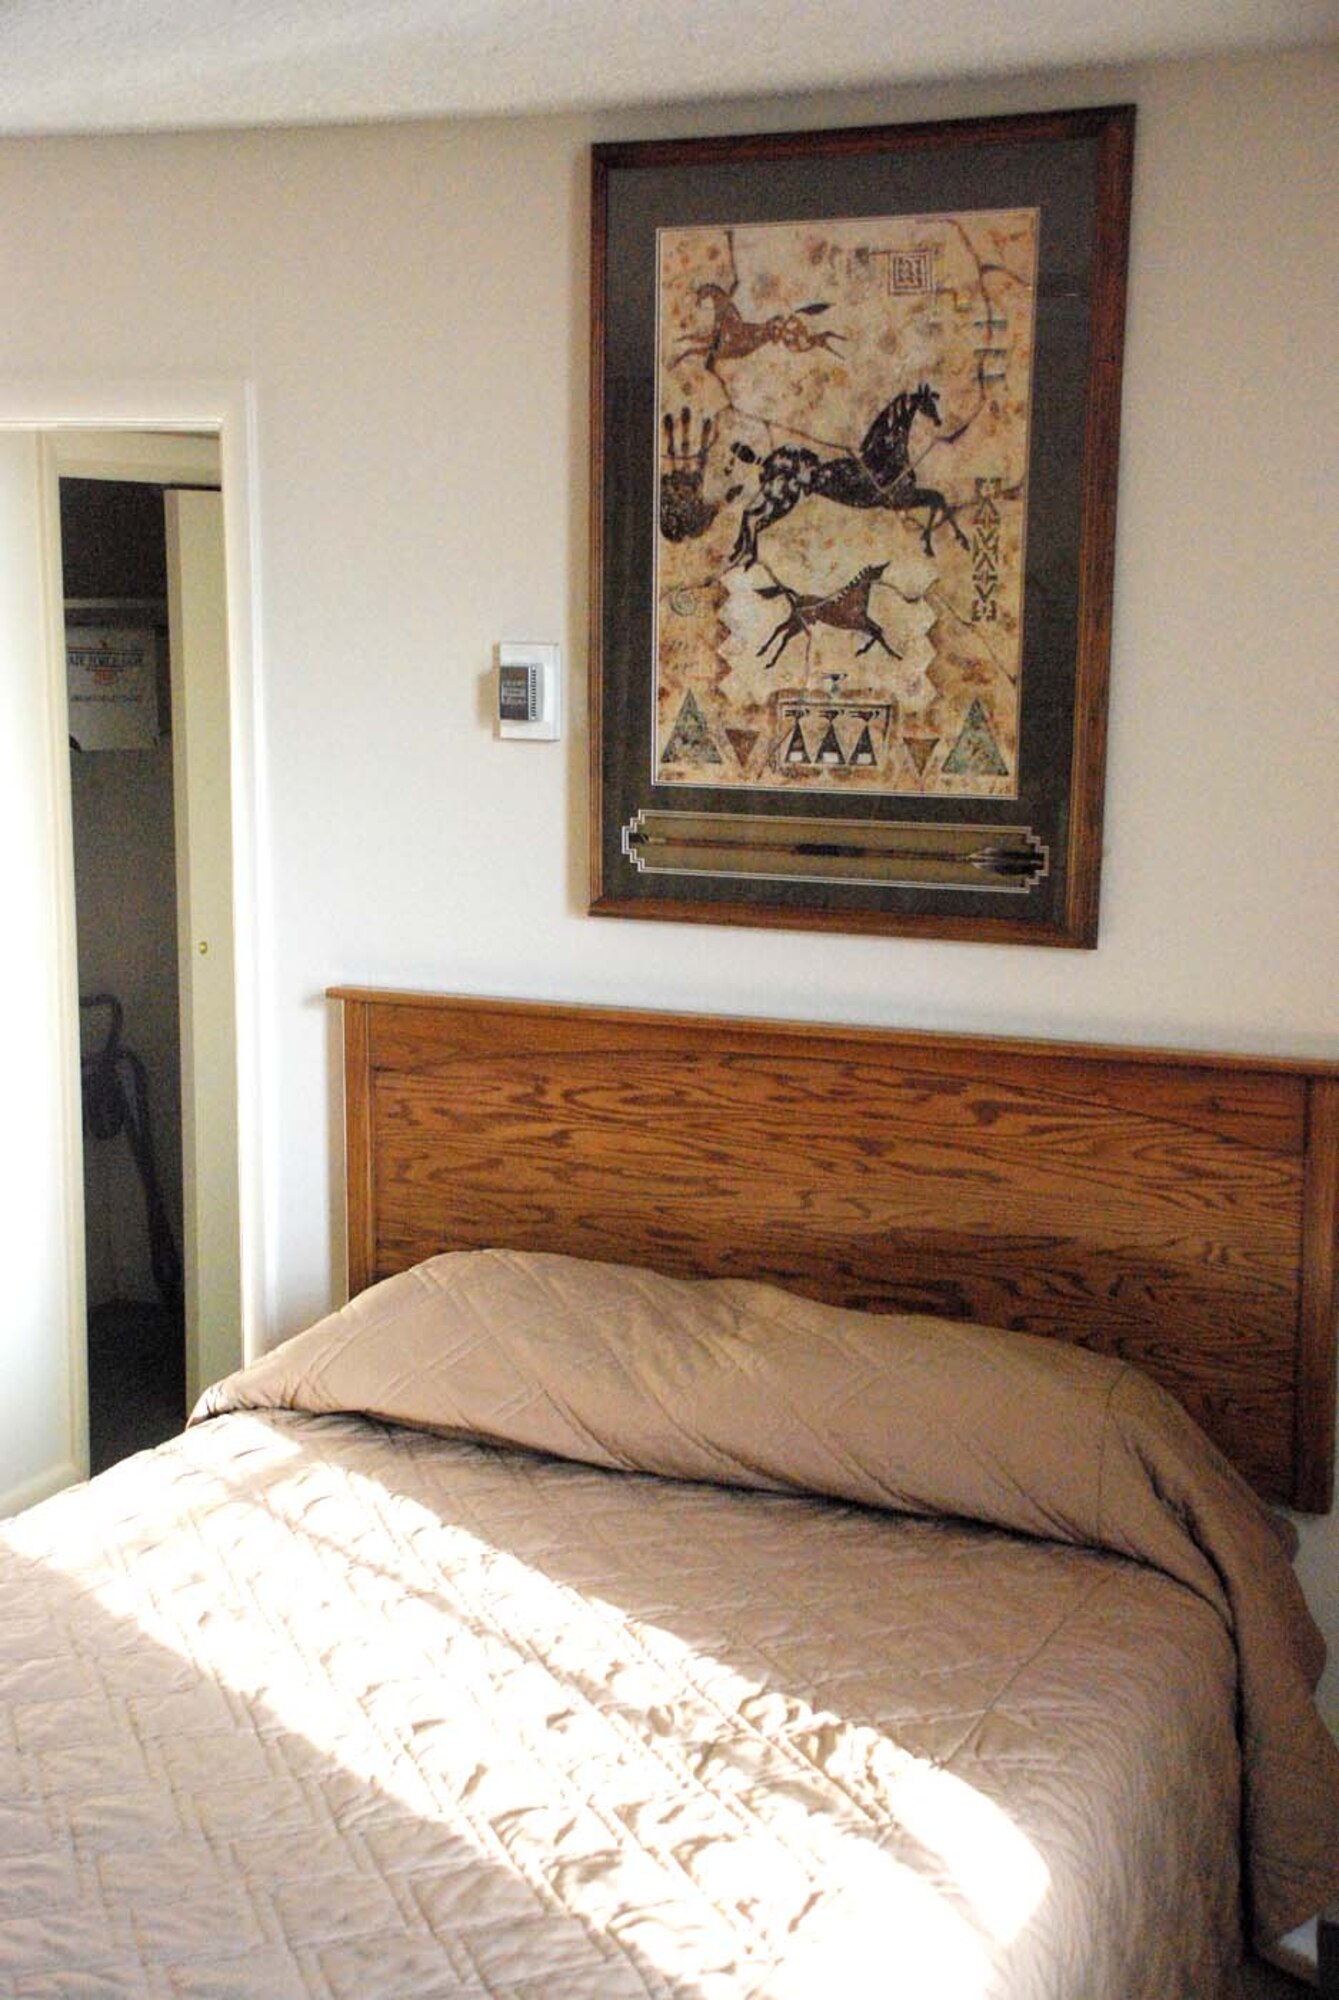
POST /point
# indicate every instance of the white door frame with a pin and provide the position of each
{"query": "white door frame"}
(226, 409)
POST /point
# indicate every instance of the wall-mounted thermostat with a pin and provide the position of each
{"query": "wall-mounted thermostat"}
(529, 690)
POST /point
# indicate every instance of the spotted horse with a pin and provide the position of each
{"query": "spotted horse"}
(879, 474)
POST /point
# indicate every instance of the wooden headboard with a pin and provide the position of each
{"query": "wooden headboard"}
(1178, 1209)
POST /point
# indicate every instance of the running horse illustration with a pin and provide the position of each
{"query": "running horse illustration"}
(732, 337)
(845, 610)
(880, 474)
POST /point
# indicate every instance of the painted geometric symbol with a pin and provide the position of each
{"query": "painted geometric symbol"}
(920, 749)
(986, 554)
(690, 740)
(912, 271)
(976, 754)
(834, 735)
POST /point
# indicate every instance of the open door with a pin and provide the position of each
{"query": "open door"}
(198, 645)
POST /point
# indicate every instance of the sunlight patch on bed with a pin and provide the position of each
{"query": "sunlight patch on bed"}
(662, 1795)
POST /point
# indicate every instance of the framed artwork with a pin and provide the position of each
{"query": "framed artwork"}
(855, 409)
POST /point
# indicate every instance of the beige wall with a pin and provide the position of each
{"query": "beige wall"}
(410, 306)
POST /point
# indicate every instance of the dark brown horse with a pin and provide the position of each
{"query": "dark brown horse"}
(845, 610)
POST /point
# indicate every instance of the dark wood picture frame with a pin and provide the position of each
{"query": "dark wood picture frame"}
(855, 422)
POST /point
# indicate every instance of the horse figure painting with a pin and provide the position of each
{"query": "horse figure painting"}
(880, 474)
(733, 338)
(845, 610)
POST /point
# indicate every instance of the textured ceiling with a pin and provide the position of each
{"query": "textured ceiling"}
(99, 65)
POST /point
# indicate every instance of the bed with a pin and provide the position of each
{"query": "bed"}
(746, 1535)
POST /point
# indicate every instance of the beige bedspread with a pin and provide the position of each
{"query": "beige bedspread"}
(751, 1385)
(302, 1705)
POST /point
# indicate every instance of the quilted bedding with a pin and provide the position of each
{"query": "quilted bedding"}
(310, 1704)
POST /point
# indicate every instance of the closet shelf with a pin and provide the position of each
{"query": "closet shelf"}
(106, 604)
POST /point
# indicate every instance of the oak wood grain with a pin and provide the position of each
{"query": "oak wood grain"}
(1176, 1208)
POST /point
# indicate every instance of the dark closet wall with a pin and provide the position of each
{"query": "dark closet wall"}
(125, 874)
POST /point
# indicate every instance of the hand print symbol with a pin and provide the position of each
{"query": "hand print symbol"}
(685, 510)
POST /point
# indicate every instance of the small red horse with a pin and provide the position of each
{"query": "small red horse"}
(732, 337)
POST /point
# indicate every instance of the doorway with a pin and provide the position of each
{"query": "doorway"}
(146, 652)
(152, 431)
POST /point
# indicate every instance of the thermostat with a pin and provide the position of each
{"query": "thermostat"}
(529, 690)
